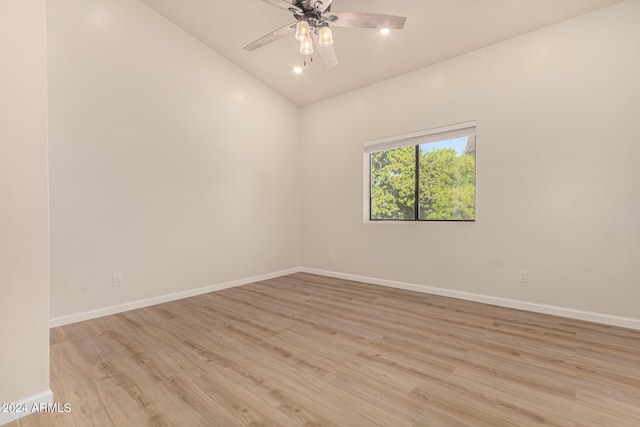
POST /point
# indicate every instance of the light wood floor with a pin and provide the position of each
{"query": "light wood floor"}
(307, 350)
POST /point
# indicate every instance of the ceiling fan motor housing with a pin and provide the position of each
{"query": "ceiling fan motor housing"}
(311, 11)
(309, 5)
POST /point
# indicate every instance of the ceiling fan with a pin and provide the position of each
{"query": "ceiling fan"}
(313, 23)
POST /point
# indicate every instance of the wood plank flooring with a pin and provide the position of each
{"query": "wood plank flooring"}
(305, 350)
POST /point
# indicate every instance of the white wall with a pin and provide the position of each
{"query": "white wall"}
(558, 169)
(24, 258)
(177, 170)
(169, 165)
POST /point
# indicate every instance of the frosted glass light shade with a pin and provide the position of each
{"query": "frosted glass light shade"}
(325, 38)
(302, 30)
(306, 46)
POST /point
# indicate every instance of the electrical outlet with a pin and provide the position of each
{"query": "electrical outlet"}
(117, 280)
(524, 277)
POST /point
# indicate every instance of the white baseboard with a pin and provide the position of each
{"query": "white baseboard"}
(106, 311)
(504, 302)
(24, 407)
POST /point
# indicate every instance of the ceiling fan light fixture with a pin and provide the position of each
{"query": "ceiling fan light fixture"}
(325, 37)
(313, 24)
(302, 30)
(384, 31)
(306, 46)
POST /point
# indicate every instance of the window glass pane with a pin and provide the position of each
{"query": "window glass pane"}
(448, 180)
(393, 184)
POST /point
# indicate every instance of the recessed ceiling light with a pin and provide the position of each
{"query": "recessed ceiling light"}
(297, 70)
(384, 31)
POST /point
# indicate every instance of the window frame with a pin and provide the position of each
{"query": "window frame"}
(411, 139)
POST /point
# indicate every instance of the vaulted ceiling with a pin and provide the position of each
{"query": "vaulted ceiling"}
(435, 31)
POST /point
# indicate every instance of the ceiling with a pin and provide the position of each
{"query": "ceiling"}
(435, 30)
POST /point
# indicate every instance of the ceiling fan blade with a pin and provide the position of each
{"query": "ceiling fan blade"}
(325, 5)
(271, 37)
(366, 20)
(283, 4)
(328, 54)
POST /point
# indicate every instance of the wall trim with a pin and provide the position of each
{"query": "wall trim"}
(106, 311)
(28, 402)
(606, 319)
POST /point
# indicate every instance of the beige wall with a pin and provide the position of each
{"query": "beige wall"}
(169, 165)
(24, 259)
(177, 170)
(557, 112)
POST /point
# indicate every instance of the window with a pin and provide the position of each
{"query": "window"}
(424, 176)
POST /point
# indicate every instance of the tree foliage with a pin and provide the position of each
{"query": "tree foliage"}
(446, 184)
(393, 187)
